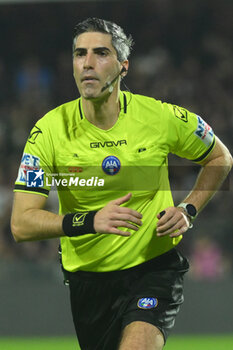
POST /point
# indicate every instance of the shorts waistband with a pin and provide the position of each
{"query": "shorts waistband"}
(160, 262)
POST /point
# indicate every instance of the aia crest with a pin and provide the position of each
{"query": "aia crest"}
(147, 303)
(111, 165)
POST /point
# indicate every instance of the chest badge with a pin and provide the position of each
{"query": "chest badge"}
(111, 165)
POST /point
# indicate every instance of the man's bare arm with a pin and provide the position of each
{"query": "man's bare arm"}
(215, 169)
(30, 222)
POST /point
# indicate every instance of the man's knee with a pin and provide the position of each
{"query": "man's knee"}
(140, 335)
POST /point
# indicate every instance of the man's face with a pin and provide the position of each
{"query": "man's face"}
(94, 63)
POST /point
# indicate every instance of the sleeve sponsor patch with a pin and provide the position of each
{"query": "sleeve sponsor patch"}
(28, 162)
(204, 131)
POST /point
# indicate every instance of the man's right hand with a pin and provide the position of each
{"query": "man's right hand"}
(112, 216)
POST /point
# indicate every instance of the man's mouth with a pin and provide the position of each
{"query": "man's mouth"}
(88, 79)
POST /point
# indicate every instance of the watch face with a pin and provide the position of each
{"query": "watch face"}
(191, 210)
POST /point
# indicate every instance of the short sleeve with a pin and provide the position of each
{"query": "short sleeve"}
(36, 162)
(188, 135)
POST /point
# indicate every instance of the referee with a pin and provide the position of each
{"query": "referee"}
(107, 154)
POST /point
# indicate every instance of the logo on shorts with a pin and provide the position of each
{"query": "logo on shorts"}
(147, 303)
(111, 165)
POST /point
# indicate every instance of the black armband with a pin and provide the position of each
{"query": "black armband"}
(78, 224)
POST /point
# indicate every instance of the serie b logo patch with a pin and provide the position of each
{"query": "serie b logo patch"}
(147, 303)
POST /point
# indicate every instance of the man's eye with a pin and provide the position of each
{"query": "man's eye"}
(102, 53)
(79, 54)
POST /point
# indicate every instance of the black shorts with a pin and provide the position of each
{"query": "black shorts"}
(103, 303)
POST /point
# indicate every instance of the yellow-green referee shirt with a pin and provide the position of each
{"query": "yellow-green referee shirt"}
(91, 166)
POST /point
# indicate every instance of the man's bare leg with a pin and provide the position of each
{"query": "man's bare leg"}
(140, 335)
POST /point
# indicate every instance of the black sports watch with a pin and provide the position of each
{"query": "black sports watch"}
(189, 209)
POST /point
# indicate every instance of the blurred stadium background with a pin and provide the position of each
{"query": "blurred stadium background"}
(183, 54)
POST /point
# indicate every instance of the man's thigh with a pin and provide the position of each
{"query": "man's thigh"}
(141, 336)
(155, 297)
(104, 304)
(96, 308)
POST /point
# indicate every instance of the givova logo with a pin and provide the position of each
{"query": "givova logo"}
(79, 219)
(35, 178)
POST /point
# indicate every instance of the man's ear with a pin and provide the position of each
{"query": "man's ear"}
(125, 67)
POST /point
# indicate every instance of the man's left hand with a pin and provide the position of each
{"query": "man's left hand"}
(174, 222)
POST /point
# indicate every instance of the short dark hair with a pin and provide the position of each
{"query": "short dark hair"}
(121, 43)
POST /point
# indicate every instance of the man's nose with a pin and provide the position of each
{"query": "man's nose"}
(89, 61)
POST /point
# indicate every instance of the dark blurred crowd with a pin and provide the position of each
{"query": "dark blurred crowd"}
(183, 54)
